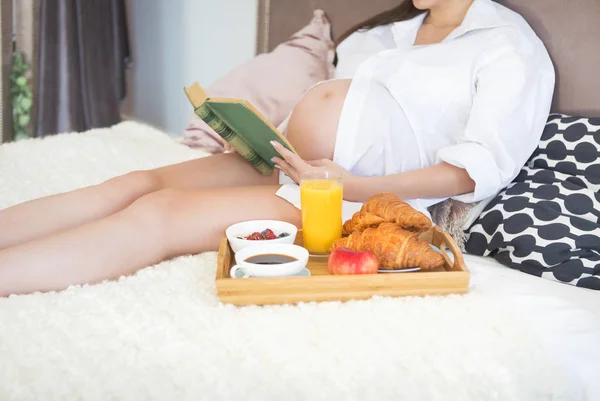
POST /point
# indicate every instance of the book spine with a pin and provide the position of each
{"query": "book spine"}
(241, 147)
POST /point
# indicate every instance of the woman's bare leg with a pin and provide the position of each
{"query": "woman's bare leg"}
(51, 214)
(43, 216)
(156, 227)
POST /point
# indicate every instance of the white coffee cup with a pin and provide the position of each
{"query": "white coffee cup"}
(275, 270)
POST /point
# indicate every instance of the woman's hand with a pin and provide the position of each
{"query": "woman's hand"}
(228, 148)
(293, 166)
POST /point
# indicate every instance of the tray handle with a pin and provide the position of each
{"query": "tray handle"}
(446, 242)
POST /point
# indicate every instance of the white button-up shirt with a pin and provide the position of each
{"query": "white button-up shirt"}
(477, 100)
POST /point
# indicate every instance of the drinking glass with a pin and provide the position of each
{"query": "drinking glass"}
(321, 194)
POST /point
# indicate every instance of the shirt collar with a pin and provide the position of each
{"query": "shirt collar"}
(481, 15)
(407, 30)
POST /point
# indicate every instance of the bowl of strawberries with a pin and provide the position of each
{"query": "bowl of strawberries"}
(247, 233)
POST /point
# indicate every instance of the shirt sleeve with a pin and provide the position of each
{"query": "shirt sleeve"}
(513, 92)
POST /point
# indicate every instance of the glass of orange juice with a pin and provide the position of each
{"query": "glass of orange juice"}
(321, 194)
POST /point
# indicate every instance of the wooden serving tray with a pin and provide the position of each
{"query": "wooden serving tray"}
(452, 278)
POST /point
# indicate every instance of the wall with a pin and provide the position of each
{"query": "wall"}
(175, 43)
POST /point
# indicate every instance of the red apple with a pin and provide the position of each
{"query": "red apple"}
(346, 261)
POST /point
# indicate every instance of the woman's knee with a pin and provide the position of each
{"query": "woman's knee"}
(133, 185)
(156, 211)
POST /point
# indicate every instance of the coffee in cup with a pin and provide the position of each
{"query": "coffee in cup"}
(270, 260)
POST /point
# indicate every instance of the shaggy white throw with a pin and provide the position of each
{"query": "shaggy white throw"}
(162, 334)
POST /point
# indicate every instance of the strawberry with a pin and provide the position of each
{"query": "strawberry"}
(254, 236)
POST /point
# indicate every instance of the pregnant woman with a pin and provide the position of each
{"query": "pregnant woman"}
(452, 106)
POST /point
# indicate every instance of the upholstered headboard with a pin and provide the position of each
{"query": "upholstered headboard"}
(570, 30)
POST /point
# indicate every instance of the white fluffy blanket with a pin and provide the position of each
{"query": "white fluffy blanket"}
(163, 334)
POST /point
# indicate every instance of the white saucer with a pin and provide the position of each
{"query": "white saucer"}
(303, 273)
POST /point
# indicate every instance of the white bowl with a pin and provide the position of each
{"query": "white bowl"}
(276, 270)
(248, 227)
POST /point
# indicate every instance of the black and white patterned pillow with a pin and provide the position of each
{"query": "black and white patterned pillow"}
(547, 221)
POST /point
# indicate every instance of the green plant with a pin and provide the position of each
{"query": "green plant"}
(22, 98)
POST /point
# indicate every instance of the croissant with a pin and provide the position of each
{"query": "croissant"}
(394, 247)
(387, 208)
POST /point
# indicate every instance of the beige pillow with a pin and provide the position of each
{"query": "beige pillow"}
(273, 82)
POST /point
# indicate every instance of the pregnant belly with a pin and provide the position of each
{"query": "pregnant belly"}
(313, 124)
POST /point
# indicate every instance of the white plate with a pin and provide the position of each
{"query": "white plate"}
(408, 269)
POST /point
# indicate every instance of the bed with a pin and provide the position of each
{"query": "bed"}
(163, 334)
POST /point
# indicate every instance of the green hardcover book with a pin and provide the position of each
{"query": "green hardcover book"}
(241, 125)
